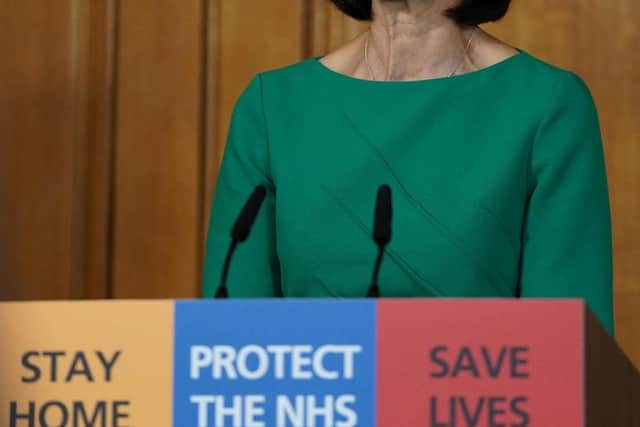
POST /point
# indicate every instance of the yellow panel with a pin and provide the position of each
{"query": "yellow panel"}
(142, 373)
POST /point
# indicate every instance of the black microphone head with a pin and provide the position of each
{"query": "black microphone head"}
(382, 219)
(247, 217)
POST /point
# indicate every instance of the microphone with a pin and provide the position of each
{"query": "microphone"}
(240, 233)
(381, 234)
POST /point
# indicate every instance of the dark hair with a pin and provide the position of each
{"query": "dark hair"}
(468, 12)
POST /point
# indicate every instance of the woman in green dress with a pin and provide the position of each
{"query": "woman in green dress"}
(494, 158)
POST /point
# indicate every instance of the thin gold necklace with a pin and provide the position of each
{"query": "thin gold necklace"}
(455, 70)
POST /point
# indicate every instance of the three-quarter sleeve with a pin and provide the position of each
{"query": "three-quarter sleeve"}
(566, 242)
(254, 270)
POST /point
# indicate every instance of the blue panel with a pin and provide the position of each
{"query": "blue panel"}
(216, 341)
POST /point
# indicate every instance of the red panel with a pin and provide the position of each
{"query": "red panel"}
(539, 339)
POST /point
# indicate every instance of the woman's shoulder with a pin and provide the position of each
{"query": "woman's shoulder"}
(338, 60)
(533, 69)
(291, 73)
(544, 69)
(563, 87)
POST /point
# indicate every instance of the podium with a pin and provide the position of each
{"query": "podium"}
(306, 363)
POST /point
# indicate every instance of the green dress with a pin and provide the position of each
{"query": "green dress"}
(498, 180)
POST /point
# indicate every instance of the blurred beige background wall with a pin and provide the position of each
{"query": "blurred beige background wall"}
(113, 115)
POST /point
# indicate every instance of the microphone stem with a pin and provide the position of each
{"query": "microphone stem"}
(374, 291)
(222, 289)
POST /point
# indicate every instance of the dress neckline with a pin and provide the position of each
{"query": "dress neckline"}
(315, 61)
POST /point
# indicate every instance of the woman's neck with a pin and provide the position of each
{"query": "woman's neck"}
(413, 39)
